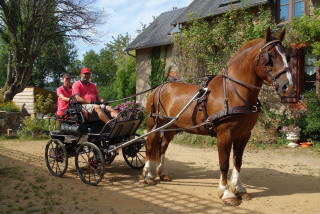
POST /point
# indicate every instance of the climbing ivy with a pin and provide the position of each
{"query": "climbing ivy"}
(205, 47)
(305, 30)
(158, 74)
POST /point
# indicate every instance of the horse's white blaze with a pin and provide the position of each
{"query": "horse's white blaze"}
(286, 65)
(147, 170)
(283, 56)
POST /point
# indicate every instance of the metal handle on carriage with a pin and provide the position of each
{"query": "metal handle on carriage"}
(161, 127)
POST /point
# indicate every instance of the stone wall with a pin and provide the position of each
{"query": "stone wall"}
(143, 65)
(11, 120)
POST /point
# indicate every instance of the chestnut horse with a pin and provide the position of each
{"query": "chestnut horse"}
(257, 62)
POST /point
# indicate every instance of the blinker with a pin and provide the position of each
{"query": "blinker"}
(265, 58)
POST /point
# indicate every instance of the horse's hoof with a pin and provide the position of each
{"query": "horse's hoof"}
(244, 196)
(149, 181)
(231, 202)
(165, 178)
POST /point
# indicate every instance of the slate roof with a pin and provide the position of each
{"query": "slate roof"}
(205, 8)
(157, 33)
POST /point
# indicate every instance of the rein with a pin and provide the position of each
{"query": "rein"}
(143, 92)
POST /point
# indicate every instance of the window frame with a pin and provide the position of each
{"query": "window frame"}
(317, 80)
(291, 9)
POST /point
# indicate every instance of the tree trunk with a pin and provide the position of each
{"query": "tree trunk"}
(12, 88)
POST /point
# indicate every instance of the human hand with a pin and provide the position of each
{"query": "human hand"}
(95, 102)
(105, 102)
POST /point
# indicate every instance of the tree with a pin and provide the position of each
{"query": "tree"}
(27, 25)
(125, 81)
(103, 66)
(54, 60)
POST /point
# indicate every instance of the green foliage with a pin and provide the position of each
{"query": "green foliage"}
(43, 105)
(102, 65)
(33, 128)
(207, 47)
(158, 74)
(123, 80)
(305, 30)
(312, 117)
(9, 107)
(196, 140)
(55, 59)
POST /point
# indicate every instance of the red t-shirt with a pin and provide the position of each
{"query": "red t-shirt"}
(87, 91)
(63, 105)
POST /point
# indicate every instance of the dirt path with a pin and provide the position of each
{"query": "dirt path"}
(279, 180)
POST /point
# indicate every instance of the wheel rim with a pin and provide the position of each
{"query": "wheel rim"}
(56, 157)
(90, 164)
(135, 155)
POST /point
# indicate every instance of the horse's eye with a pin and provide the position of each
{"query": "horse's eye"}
(272, 55)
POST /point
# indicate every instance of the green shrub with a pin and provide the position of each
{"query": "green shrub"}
(197, 140)
(312, 117)
(44, 105)
(34, 128)
(9, 106)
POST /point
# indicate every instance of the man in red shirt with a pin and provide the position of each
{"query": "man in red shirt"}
(87, 93)
(64, 93)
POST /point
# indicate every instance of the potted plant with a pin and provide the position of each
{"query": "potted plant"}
(292, 133)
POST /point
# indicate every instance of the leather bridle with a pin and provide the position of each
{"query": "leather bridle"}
(264, 58)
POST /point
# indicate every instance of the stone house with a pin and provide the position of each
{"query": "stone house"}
(158, 34)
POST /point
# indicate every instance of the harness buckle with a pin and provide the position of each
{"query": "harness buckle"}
(255, 109)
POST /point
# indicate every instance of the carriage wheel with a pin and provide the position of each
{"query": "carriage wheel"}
(109, 157)
(89, 163)
(135, 155)
(56, 157)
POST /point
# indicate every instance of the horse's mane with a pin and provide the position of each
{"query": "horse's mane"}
(246, 46)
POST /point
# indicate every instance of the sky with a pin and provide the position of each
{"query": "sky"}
(126, 16)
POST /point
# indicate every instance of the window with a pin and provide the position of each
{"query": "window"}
(175, 29)
(228, 2)
(290, 8)
(310, 71)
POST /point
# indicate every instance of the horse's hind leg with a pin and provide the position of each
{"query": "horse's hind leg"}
(235, 183)
(152, 150)
(161, 170)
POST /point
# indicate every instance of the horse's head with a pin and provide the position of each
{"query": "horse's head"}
(273, 65)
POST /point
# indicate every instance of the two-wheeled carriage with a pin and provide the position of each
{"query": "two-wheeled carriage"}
(94, 144)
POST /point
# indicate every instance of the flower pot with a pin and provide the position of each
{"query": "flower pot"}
(306, 144)
(293, 137)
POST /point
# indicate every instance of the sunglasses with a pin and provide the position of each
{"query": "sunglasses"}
(87, 73)
(68, 78)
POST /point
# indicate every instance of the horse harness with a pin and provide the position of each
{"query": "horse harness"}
(209, 121)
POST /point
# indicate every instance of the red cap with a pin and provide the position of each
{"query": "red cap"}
(85, 71)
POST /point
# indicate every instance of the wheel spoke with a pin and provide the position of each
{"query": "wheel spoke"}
(56, 157)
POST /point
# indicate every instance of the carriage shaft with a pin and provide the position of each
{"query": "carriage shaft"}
(199, 93)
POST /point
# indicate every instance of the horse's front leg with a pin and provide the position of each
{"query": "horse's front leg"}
(235, 183)
(166, 137)
(224, 149)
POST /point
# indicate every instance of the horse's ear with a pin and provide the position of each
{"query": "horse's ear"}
(282, 34)
(268, 35)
